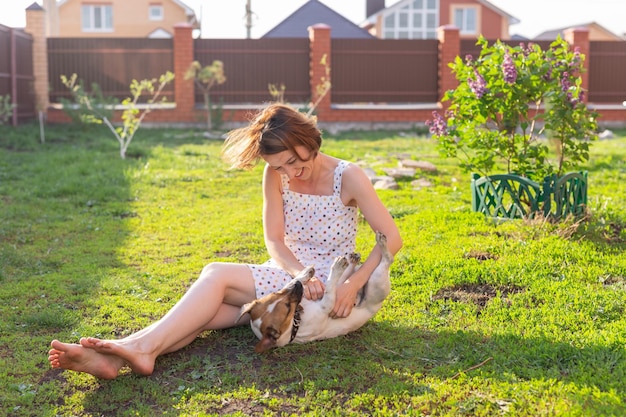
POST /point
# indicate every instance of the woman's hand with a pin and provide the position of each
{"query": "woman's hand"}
(314, 289)
(346, 298)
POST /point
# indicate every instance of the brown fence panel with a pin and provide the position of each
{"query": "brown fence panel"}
(250, 65)
(16, 71)
(112, 63)
(469, 47)
(384, 71)
(607, 72)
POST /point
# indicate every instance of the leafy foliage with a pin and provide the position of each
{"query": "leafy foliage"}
(206, 78)
(507, 100)
(6, 108)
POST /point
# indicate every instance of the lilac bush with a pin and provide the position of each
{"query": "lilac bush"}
(517, 109)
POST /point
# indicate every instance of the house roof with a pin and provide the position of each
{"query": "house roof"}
(370, 20)
(550, 35)
(313, 12)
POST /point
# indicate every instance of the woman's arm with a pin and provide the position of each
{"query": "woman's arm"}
(357, 190)
(274, 232)
(274, 223)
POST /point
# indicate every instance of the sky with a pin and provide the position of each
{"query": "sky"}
(225, 18)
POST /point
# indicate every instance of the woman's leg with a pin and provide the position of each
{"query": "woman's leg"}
(212, 302)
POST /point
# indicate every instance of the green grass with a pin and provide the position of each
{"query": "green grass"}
(524, 318)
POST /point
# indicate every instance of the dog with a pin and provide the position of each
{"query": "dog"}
(285, 317)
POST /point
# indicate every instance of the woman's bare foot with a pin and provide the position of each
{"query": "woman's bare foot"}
(140, 362)
(77, 358)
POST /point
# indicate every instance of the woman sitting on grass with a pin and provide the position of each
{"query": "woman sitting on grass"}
(310, 203)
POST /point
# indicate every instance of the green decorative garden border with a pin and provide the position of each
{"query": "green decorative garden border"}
(512, 196)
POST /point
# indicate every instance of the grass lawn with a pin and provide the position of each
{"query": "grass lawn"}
(523, 318)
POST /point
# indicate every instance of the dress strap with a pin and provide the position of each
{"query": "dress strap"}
(338, 177)
(285, 181)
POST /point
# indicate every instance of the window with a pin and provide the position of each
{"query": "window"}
(97, 18)
(155, 12)
(417, 19)
(466, 19)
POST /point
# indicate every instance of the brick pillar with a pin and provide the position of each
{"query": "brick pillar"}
(183, 57)
(579, 38)
(319, 66)
(449, 49)
(36, 27)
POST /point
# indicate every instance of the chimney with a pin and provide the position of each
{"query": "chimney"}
(373, 6)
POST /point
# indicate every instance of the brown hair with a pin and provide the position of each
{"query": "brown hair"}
(275, 129)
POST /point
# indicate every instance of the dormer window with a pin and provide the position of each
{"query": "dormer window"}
(416, 20)
(466, 19)
(155, 11)
(97, 18)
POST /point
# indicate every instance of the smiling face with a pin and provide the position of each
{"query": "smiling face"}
(297, 165)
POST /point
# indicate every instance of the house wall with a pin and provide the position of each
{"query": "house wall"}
(492, 25)
(597, 34)
(130, 18)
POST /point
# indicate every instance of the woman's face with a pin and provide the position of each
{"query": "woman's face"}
(290, 164)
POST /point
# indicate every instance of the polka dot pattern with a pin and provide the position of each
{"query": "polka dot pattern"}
(318, 228)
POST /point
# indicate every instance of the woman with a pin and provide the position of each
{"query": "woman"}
(309, 217)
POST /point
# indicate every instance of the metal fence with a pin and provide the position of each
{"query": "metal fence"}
(384, 71)
(607, 72)
(16, 72)
(251, 65)
(363, 71)
(111, 63)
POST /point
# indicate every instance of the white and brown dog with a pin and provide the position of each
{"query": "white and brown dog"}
(285, 317)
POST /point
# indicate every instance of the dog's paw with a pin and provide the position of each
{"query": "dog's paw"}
(355, 258)
(340, 264)
(381, 239)
(306, 274)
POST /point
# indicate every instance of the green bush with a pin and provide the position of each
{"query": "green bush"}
(508, 101)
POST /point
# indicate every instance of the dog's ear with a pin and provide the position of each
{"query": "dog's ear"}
(266, 343)
(246, 308)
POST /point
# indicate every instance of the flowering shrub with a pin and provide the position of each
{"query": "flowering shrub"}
(508, 101)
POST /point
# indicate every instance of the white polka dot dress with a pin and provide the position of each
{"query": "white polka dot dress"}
(318, 228)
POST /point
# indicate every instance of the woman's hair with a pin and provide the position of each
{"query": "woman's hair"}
(275, 129)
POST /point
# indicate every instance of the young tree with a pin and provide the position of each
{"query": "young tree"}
(205, 78)
(132, 116)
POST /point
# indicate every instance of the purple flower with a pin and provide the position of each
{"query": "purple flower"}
(508, 68)
(478, 85)
(566, 87)
(438, 125)
(468, 59)
(565, 82)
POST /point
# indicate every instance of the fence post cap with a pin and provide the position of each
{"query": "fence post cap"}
(35, 6)
(319, 26)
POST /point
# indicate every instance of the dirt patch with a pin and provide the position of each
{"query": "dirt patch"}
(478, 294)
(613, 233)
(614, 282)
(480, 255)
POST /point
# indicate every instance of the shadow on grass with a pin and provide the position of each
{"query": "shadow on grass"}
(388, 362)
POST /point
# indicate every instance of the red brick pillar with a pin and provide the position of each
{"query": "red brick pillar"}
(183, 57)
(319, 66)
(449, 49)
(36, 27)
(579, 38)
